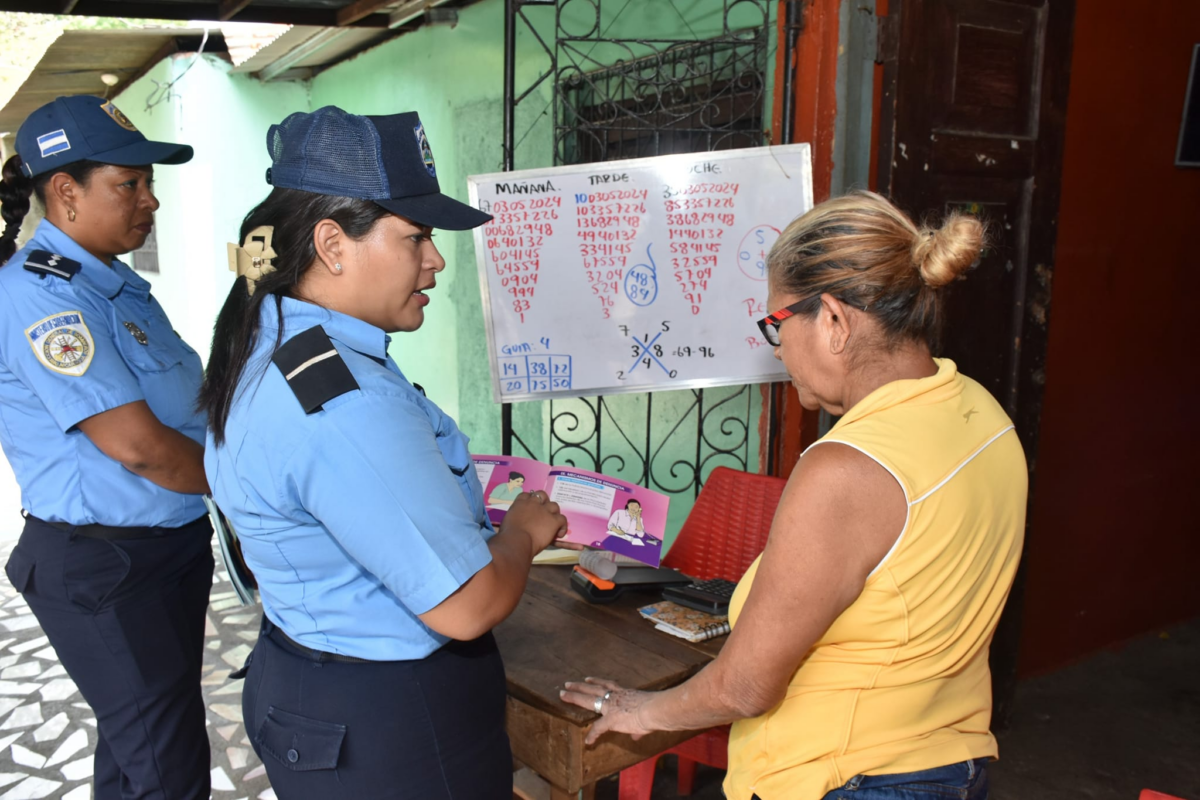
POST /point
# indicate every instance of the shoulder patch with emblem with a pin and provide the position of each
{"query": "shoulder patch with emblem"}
(314, 369)
(63, 343)
(43, 262)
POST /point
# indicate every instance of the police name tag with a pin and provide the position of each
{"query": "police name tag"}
(62, 343)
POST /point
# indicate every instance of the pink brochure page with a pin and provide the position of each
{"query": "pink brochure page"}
(505, 477)
(610, 514)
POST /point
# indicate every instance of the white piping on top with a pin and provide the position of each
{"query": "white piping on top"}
(327, 354)
(908, 503)
(968, 460)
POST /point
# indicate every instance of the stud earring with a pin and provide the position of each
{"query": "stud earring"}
(71, 214)
(337, 267)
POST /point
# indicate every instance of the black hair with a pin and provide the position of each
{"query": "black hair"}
(512, 476)
(293, 214)
(15, 189)
(634, 500)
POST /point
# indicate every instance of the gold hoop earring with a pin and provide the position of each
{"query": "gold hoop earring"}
(71, 214)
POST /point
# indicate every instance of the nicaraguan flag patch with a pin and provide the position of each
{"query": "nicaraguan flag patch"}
(53, 142)
(63, 343)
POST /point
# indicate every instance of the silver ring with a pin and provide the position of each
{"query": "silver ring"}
(607, 695)
(598, 705)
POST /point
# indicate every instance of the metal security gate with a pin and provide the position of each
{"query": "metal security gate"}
(628, 79)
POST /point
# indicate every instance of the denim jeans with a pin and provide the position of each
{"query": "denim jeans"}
(966, 780)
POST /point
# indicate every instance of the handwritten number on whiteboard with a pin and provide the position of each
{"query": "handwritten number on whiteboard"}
(641, 282)
(620, 374)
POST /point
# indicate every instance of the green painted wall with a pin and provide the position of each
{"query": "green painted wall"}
(225, 118)
(453, 78)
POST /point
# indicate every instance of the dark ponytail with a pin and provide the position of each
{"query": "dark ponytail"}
(16, 188)
(293, 214)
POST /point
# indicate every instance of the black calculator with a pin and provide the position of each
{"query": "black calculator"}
(711, 596)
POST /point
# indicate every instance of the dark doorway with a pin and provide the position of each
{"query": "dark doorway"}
(975, 100)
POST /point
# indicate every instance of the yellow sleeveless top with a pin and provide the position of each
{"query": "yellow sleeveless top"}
(900, 681)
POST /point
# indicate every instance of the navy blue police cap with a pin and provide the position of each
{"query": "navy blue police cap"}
(84, 127)
(386, 159)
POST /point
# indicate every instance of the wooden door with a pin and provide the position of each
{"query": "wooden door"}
(973, 117)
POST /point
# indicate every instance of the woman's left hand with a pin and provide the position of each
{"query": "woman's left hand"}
(620, 709)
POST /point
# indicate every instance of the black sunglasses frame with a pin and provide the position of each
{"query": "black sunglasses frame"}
(769, 325)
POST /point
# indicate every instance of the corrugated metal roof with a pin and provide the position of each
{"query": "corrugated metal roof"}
(75, 61)
(311, 39)
(323, 13)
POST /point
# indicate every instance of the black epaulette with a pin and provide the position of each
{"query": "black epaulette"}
(44, 263)
(314, 369)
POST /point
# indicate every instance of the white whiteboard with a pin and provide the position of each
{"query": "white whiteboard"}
(628, 276)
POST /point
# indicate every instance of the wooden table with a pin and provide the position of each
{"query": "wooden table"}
(555, 636)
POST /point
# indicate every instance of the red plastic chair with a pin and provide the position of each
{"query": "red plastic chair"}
(708, 546)
(1150, 794)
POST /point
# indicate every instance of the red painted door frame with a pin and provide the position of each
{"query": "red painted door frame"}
(814, 103)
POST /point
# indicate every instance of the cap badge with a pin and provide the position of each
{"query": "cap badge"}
(137, 332)
(426, 152)
(53, 142)
(118, 117)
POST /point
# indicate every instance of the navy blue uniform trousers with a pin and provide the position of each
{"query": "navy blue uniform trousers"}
(127, 621)
(430, 729)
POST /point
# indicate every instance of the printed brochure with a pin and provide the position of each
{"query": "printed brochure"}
(601, 511)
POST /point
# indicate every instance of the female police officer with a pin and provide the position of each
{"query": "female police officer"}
(354, 497)
(99, 425)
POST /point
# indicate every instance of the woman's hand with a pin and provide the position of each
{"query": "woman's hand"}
(534, 513)
(621, 710)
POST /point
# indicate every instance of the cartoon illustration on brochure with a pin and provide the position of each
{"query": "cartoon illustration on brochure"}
(602, 511)
(504, 493)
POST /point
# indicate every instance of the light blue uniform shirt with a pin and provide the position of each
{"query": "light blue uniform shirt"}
(358, 517)
(67, 352)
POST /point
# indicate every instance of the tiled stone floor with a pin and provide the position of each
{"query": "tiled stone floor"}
(1101, 729)
(48, 733)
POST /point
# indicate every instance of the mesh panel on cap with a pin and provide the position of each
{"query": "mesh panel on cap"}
(328, 152)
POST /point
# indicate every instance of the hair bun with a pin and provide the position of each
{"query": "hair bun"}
(944, 254)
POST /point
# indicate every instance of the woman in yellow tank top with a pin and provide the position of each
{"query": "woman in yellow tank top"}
(857, 666)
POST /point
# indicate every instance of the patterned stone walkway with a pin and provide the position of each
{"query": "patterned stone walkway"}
(48, 733)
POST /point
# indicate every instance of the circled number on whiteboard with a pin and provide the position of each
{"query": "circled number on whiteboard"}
(641, 282)
(752, 252)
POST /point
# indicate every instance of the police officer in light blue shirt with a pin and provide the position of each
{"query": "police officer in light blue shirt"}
(353, 495)
(98, 420)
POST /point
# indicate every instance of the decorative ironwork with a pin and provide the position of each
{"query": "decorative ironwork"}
(667, 441)
(633, 97)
